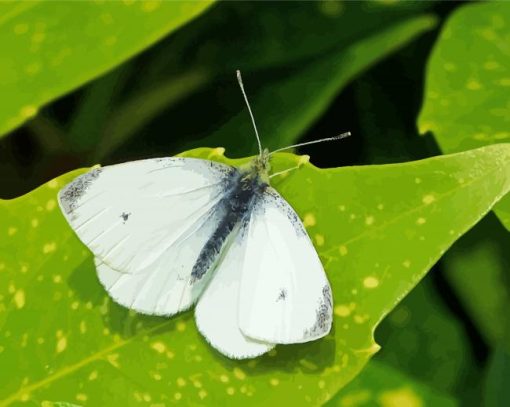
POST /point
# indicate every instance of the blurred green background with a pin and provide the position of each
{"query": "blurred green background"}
(94, 82)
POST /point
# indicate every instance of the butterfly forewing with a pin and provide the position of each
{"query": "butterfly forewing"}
(146, 223)
(284, 296)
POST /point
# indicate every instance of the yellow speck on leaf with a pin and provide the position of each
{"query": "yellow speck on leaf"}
(158, 347)
(20, 28)
(404, 396)
(150, 5)
(428, 199)
(81, 397)
(239, 373)
(319, 239)
(309, 220)
(274, 382)
(343, 250)
(49, 247)
(28, 111)
(473, 85)
(371, 282)
(369, 220)
(53, 184)
(218, 151)
(113, 359)
(342, 310)
(360, 319)
(19, 299)
(421, 221)
(61, 344)
(51, 204)
(356, 398)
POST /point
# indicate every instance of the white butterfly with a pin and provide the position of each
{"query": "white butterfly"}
(171, 232)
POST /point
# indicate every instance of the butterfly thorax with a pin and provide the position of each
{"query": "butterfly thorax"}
(258, 168)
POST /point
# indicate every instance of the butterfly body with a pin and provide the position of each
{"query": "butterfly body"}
(241, 192)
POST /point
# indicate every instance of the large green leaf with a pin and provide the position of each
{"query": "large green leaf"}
(381, 385)
(497, 391)
(422, 338)
(477, 268)
(50, 48)
(467, 97)
(378, 229)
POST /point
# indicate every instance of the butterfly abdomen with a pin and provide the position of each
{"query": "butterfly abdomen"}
(233, 208)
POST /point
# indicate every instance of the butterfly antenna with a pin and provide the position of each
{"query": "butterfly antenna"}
(240, 80)
(322, 140)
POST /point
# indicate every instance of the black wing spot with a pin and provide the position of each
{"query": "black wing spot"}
(125, 216)
(282, 296)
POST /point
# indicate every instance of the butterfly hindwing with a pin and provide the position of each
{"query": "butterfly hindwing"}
(217, 311)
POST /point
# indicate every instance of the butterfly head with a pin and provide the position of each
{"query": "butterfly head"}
(258, 167)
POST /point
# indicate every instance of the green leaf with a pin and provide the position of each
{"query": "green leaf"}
(132, 115)
(422, 338)
(381, 385)
(468, 86)
(286, 107)
(497, 391)
(477, 268)
(50, 48)
(378, 229)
